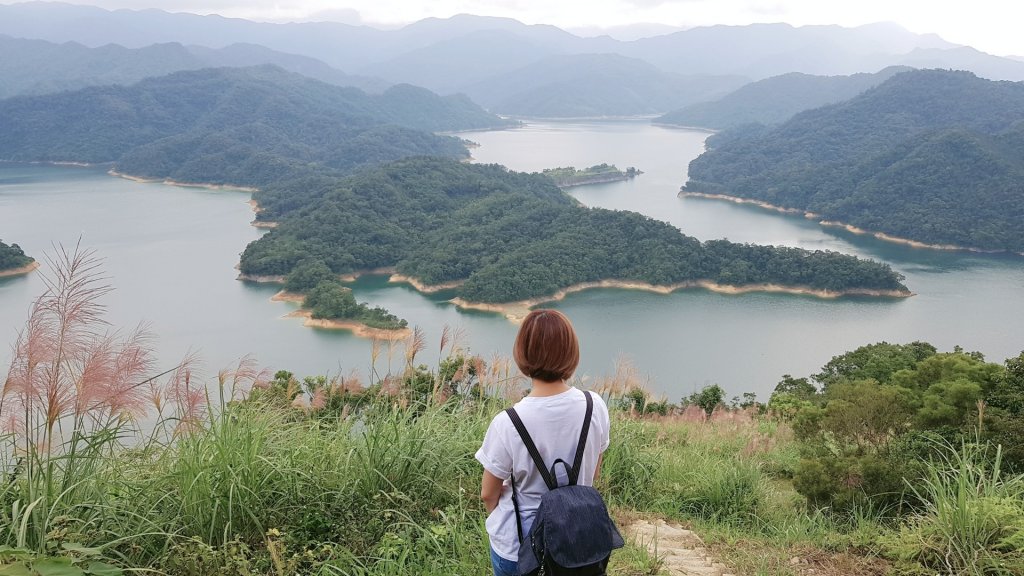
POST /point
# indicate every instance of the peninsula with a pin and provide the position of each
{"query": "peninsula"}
(14, 262)
(932, 158)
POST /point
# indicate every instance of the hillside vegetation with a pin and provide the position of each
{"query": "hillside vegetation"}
(775, 100)
(326, 161)
(507, 236)
(933, 156)
(244, 126)
(12, 257)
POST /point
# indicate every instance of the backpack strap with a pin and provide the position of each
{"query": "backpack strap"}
(549, 480)
(577, 463)
(532, 449)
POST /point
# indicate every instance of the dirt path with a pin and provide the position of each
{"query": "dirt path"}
(681, 551)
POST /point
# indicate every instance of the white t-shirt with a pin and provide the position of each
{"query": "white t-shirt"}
(554, 423)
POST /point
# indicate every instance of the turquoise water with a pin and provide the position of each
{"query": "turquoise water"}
(170, 252)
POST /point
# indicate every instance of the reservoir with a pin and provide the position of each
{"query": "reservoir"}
(170, 253)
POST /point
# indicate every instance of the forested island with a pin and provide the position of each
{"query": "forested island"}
(13, 260)
(499, 236)
(931, 156)
(354, 183)
(328, 303)
(566, 177)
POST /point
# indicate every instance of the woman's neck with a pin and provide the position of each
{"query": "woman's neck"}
(541, 388)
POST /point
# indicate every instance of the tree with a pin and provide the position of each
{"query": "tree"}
(708, 398)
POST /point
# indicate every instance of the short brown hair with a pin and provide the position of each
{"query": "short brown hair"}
(546, 347)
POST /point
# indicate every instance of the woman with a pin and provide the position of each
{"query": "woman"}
(547, 351)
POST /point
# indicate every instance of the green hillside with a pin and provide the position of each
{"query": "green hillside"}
(12, 257)
(244, 126)
(933, 156)
(775, 100)
(510, 236)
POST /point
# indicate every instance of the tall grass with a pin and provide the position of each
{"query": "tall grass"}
(973, 517)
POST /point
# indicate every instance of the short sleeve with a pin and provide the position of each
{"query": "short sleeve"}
(494, 454)
(602, 409)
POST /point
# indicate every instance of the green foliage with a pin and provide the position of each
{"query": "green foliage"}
(951, 143)
(881, 409)
(570, 176)
(331, 301)
(242, 126)
(307, 275)
(708, 398)
(1004, 415)
(775, 100)
(972, 521)
(12, 257)
(874, 361)
(509, 236)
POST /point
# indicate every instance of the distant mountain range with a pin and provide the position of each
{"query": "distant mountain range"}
(477, 54)
(40, 67)
(776, 99)
(594, 85)
(929, 155)
(242, 126)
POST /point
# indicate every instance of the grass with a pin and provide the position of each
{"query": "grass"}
(277, 477)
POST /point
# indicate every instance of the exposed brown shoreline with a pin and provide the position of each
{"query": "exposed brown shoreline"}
(357, 328)
(170, 182)
(421, 287)
(515, 311)
(26, 269)
(848, 227)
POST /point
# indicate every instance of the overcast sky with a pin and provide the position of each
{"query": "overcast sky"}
(994, 26)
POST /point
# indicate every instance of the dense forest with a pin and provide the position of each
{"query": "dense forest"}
(775, 100)
(933, 156)
(508, 236)
(12, 257)
(326, 298)
(244, 126)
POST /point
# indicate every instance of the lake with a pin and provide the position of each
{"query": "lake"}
(170, 252)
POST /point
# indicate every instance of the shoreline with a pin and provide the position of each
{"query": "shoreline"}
(516, 311)
(601, 180)
(170, 182)
(420, 286)
(751, 202)
(23, 270)
(848, 227)
(357, 328)
(681, 127)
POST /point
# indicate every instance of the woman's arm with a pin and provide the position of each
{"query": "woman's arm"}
(597, 471)
(490, 490)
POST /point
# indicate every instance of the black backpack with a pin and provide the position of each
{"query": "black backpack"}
(572, 533)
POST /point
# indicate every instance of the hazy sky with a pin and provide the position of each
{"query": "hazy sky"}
(990, 25)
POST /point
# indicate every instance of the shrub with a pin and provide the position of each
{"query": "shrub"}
(972, 521)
